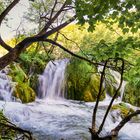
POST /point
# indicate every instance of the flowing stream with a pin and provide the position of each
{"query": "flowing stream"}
(6, 86)
(54, 118)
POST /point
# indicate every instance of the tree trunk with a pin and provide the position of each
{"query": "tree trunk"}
(9, 57)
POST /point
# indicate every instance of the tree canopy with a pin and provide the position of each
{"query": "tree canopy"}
(53, 16)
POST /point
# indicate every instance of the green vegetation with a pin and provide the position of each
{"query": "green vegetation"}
(82, 81)
(33, 64)
(49, 19)
(124, 109)
(4, 132)
(133, 77)
(22, 89)
(98, 46)
(132, 95)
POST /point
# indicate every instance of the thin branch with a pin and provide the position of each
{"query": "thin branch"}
(2, 16)
(7, 10)
(73, 54)
(74, 43)
(52, 46)
(115, 131)
(113, 98)
(20, 47)
(55, 3)
(27, 41)
(52, 19)
(98, 99)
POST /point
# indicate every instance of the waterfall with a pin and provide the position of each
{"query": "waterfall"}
(6, 86)
(117, 77)
(65, 119)
(52, 81)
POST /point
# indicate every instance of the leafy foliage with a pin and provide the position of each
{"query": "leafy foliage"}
(133, 77)
(33, 62)
(93, 11)
(103, 50)
(133, 74)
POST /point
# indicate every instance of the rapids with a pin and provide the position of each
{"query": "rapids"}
(52, 118)
(6, 86)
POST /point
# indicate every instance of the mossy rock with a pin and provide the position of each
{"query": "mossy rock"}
(110, 84)
(92, 89)
(124, 109)
(87, 96)
(24, 93)
(110, 90)
(131, 95)
(82, 81)
(77, 77)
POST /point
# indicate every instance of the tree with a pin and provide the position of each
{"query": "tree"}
(65, 12)
(55, 15)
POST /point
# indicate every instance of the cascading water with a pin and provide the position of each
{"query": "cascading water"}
(61, 119)
(6, 86)
(52, 81)
(117, 77)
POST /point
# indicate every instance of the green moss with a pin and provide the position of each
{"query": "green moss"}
(87, 96)
(23, 91)
(5, 132)
(77, 78)
(132, 95)
(82, 81)
(124, 110)
(93, 88)
(110, 90)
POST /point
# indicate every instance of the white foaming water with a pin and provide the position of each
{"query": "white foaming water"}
(51, 119)
(52, 81)
(68, 120)
(117, 77)
(6, 86)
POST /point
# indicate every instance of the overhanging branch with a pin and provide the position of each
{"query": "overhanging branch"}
(114, 97)
(2, 16)
(115, 131)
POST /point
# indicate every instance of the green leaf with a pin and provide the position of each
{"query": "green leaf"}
(125, 30)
